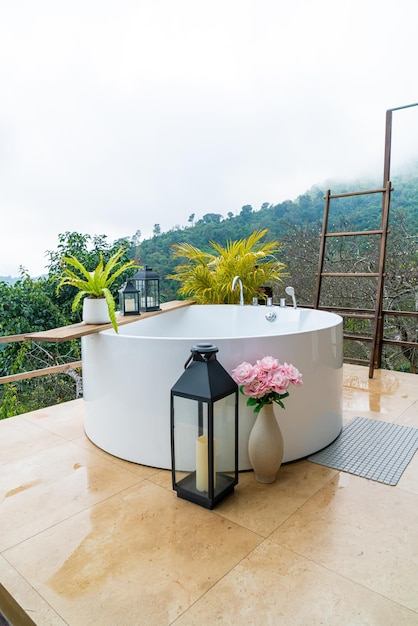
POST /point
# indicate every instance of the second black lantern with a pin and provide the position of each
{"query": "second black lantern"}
(148, 283)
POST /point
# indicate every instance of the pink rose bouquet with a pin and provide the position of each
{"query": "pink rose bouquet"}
(265, 382)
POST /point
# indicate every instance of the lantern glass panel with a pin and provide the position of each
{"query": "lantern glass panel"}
(149, 294)
(224, 434)
(192, 448)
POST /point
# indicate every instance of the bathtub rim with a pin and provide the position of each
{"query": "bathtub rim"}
(333, 321)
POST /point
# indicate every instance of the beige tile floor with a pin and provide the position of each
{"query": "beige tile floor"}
(86, 538)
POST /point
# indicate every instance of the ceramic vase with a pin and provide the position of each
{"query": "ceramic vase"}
(265, 446)
(95, 311)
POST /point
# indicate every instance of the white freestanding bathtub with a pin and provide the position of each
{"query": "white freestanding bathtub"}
(128, 376)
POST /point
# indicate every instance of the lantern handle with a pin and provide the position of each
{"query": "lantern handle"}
(204, 350)
(188, 361)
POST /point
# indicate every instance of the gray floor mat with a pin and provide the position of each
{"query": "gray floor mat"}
(372, 449)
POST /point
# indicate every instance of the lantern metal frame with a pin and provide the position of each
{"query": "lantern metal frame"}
(205, 381)
(128, 293)
(148, 284)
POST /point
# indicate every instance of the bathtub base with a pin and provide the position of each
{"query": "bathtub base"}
(128, 378)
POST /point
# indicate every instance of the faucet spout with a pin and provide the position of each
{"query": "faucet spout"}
(238, 280)
(291, 292)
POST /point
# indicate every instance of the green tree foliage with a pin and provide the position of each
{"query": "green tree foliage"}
(30, 306)
(33, 305)
(209, 218)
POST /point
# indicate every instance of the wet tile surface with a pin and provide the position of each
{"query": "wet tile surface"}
(50, 485)
(274, 586)
(263, 507)
(86, 538)
(145, 553)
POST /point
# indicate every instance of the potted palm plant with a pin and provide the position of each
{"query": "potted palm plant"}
(94, 287)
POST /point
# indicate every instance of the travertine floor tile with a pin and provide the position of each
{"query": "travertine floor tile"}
(48, 486)
(363, 530)
(274, 586)
(141, 470)
(410, 416)
(20, 439)
(141, 557)
(26, 596)
(66, 419)
(409, 479)
(262, 508)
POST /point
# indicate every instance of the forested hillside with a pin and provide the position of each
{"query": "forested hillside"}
(300, 219)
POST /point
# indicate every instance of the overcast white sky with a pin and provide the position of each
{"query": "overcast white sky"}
(115, 116)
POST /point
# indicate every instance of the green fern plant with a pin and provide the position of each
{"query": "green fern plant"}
(207, 278)
(95, 284)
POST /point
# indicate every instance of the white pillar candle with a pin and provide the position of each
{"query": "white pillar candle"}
(202, 463)
(129, 305)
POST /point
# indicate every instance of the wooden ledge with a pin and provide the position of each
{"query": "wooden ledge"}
(75, 331)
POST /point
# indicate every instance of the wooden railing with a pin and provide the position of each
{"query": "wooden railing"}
(76, 331)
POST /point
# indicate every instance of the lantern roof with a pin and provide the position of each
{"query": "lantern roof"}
(146, 273)
(128, 287)
(204, 377)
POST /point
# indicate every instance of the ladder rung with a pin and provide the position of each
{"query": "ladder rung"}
(358, 275)
(406, 344)
(346, 309)
(354, 233)
(357, 316)
(357, 338)
(354, 361)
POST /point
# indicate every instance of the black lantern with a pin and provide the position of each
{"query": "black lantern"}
(148, 283)
(129, 299)
(204, 430)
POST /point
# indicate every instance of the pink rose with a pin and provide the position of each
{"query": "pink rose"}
(243, 374)
(268, 363)
(279, 382)
(256, 388)
(292, 373)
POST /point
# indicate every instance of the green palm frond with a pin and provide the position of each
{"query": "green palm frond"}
(208, 277)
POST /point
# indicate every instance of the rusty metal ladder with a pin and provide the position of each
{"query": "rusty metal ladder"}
(382, 232)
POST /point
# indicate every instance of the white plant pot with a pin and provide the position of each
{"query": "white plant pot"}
(95, 311)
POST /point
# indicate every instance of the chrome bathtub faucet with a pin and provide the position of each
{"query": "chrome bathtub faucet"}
(238, 280)
(271, 315)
